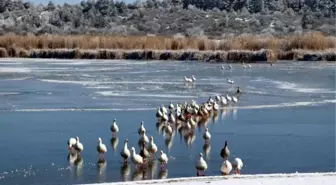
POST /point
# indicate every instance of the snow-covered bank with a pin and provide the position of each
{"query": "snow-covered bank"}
(274, 179)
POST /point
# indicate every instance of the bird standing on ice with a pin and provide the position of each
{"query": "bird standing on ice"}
(71, 142)
(188, 79)
(234, 99)
(144, 138)
(228, 97)
(137, 159)
(215, 106)
(218, 98)
(224, 101)
(125, 153)
(201, 165)
(171, 106)
(163, 159)
(78, 146)
(238, 90)
(207, 135)
(114, 128)
(225, 152)
(237, 165)
(144, 152)
(193, 78)
(142, 128)
(226, 167)
(230, 81)
(101, 148)
(152, 148)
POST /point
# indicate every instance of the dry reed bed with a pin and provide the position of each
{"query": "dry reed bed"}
(246, 48)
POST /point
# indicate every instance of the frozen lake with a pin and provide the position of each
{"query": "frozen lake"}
(284, 121)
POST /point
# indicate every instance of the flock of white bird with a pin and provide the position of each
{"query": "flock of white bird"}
(184, 117)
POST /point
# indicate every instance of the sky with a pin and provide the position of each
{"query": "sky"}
(67, 1)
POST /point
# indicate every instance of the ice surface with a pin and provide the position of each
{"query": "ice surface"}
(274, 179)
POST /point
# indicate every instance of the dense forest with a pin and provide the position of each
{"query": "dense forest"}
(214, 18)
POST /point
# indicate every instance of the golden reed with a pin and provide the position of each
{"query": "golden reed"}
(243, 48)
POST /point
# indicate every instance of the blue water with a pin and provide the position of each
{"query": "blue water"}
(284, 121)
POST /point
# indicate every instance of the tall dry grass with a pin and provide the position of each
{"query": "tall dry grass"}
(243, 48)
(307, 41)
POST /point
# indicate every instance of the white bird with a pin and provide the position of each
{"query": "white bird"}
(164, 109)
(215, 106)
(230, 81)
(209, 107)
(171, 106)
(136, 158)
(228, 97)
(223, 66)
(244, 65)
(71, 142)
(159, 114)
(152, 148)
(224, 101)
(125, 153)
(237, 165)
(164, 117)
(188, 79)
(78, 146)
(210, 100)
(163, 159)
(101, 148)
(230, 66)
(207, 135)
(178, 110)
(249, 66)
(201, 164)
(142, 128)
(144, 138)
(234, 99)
(193, 78)
(114, 127)
(226, 167)
(218, 98)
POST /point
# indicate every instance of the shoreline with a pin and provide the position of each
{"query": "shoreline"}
(292, 178)
(235, 56)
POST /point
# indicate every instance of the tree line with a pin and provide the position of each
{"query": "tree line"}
(169, 17)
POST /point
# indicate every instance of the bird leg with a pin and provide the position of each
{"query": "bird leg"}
(234, 171)
(238, 171)
(198, 174)
(163, 166)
